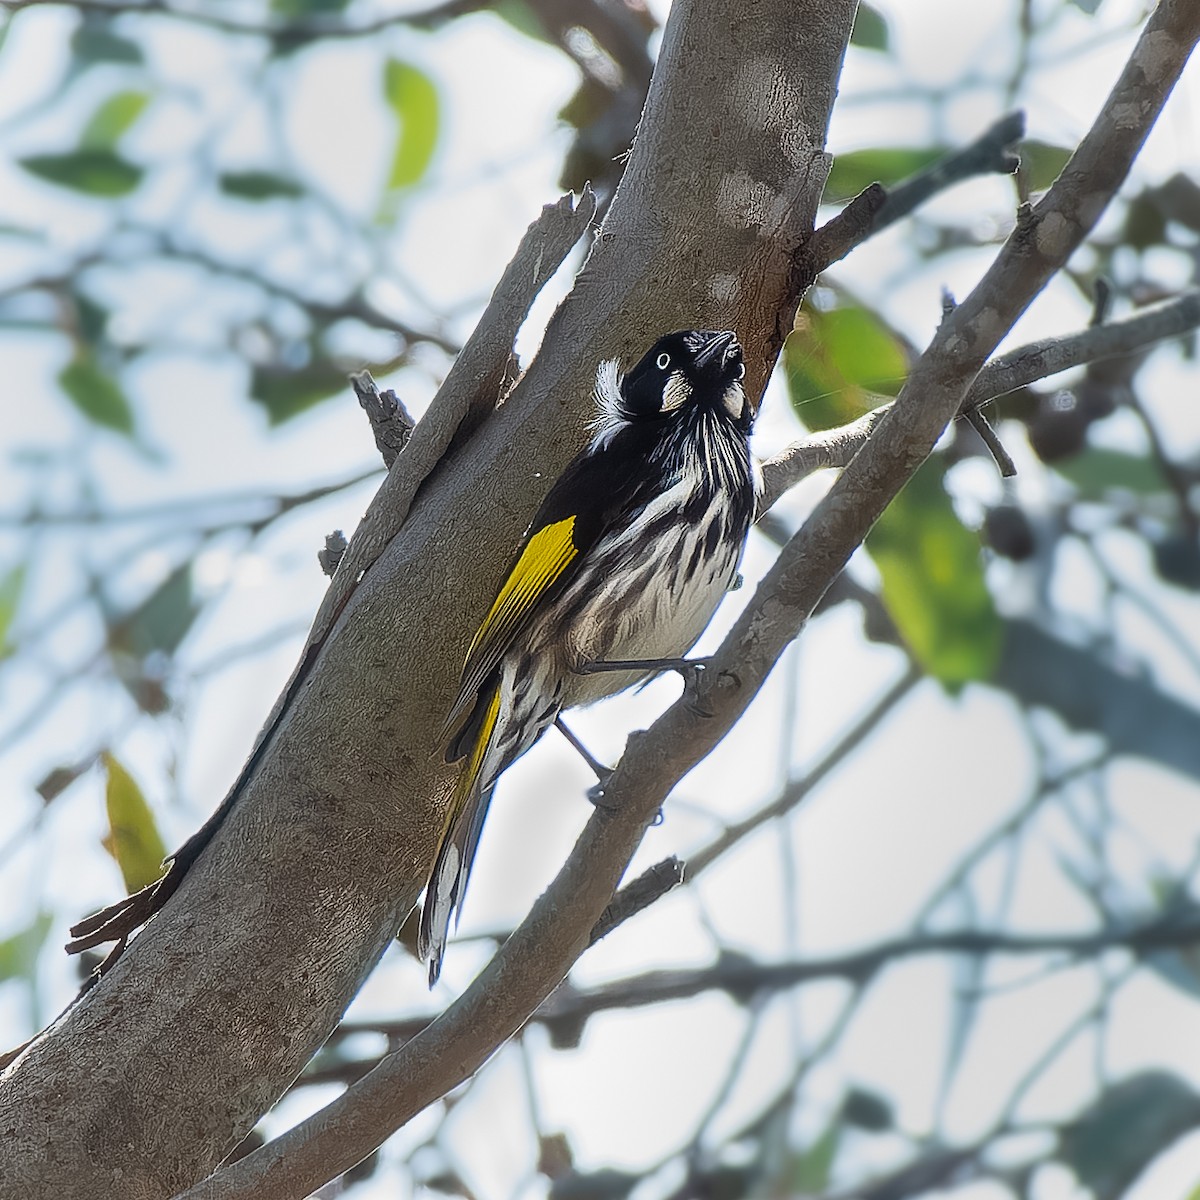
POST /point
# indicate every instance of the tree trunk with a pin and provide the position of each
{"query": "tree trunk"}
(217, 1005)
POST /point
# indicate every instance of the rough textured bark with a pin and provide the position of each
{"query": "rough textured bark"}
(544, 946)
(216, 1006)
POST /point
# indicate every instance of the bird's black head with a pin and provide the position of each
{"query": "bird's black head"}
(691, 367)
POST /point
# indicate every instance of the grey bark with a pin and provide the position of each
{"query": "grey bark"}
(216, 1006)
(541, 950)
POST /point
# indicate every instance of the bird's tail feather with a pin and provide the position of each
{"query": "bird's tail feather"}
(460, 839)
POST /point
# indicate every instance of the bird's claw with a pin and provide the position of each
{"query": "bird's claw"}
(596, 794)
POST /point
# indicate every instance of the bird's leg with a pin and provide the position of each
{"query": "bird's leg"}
(690, 668)
(596, 792)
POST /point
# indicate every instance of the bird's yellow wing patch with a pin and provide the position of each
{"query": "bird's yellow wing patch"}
(546, 555)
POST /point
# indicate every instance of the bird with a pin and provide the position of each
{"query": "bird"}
(616, 577)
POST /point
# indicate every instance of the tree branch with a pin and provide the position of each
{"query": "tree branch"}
(543, 948)
(992, 153)
(741, 977)
(1018, 368)
(471, 389)
(292, 32)
(391, 425)
(328, 845)
(877, 207)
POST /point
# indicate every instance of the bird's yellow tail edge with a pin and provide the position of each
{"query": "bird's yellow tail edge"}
(469, 775)
(457, 844)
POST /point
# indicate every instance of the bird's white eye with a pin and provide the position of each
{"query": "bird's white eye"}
(741, 371)
(663, 361)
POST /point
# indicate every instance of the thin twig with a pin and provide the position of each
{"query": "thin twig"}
(741, 977)
(290, 32)
(1037, 360)
(795, 791)
(993, 152)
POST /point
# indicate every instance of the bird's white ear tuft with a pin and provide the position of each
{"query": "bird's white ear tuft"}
(610, 410)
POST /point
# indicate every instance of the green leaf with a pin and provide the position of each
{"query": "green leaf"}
(298, 9)
(97, 394)
(933, 583)
(12, 583)
(868, 1110)
(133, 838)
(19, 951)
(91, 318)
(887, 165)
(258, 185)
(113, 119)
(162, 620)
(94, 172)
(1127, 1126)
(414, 99)
(522, 17)
(1042, 162)
(1096, 471)
(94, 42)
(286, 394)
(870, 30)
(837, 362)
(810, 1171)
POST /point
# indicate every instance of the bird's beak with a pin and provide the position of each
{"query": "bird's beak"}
(715, 348)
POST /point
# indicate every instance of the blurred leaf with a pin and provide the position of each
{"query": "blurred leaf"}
(11, 585)
(96, 394)
(870, 30)
(1042, 163)
(294, 9)
(1180, 968)
(113, 119)
(867, 1110)
(810, 1170)
(589, 103)
(933, 583)
(604, 1184)
(133, 838)
(8, 229)
(58, 779)
(94, 42)
(91, 318)
(19, 951)
(258, 185)
(1177, 560)
(1096, 471)
(1087, 6)
(887, 165)
(162, 620)
(832, 360)
(522, 17)
(554, 1155)
(363, 1169)
(1145, 224)
(1009, 532)
(414, 99)
(450, 1183)
(95, 172)
(284, 394)
(1127, 1126)
(1178, 199)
